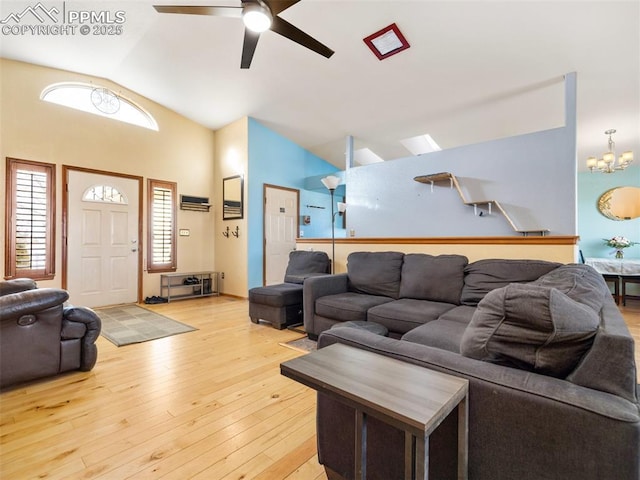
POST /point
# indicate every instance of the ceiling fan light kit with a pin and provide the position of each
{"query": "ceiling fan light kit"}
(258, 16)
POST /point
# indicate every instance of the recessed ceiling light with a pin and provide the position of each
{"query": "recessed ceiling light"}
(420, 144)
(387, 42)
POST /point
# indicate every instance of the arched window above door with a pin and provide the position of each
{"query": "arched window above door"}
(100, 101)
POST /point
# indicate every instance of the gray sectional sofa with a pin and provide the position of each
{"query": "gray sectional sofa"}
(553, 389)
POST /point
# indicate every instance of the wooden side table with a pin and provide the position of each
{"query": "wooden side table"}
(409, 397)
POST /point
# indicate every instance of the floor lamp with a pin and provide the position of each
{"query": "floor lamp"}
(332, 182)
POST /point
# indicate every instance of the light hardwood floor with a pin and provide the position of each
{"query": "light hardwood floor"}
(207, 405)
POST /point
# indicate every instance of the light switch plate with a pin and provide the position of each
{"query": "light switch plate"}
(184, 232)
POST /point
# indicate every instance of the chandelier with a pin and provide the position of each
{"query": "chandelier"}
(608, 163)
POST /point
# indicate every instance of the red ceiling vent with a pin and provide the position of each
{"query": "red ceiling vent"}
(387, 42)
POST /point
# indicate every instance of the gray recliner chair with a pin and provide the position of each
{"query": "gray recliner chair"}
(39, 336)
(281, 304)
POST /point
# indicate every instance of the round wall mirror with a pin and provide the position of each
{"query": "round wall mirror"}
(620, 203)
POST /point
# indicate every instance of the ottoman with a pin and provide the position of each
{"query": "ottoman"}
(281, 304)
(362, 325)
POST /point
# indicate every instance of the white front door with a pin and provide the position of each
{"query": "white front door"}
(102, 239)
(280, 231)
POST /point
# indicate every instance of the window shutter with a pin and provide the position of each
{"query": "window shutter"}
(30, 222)
(162, 226)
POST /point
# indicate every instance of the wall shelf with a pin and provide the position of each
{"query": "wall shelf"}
(479, 206)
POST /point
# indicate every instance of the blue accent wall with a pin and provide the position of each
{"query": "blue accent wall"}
(592, 225)
(276, 160)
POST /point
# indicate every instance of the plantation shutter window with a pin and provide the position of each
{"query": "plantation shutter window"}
(162, 226)
(29, 229)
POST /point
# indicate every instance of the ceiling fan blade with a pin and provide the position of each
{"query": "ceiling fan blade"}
(284, 28)
(278, 6)
(235, 12)
(248, 47)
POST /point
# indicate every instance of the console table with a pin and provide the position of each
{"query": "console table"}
(198, 284)
(406, 396)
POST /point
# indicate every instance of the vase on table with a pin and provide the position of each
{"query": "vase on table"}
(619, 253)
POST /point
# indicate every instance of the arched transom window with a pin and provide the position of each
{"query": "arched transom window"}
(105, 194)
(98, 101)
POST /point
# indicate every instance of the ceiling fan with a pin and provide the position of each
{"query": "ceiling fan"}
(258, 16)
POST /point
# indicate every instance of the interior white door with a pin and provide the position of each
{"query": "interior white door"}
(280, 231)
(102, 243)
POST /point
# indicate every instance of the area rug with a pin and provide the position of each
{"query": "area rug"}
(127, 324)
(304, 344)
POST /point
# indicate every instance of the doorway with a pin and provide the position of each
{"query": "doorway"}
(281, 226)
(102, 255)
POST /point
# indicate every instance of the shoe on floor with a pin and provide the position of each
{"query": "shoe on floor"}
(154, 300)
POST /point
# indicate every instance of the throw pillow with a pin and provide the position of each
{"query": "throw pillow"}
(483, 276)
(579, 282)
(530, 327)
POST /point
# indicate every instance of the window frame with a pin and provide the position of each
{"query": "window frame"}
(10, 257)
(152, 266)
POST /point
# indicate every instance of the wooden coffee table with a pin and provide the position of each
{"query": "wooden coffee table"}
(409, 397)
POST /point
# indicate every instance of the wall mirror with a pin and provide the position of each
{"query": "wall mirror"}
(232, 195)
(620, 203)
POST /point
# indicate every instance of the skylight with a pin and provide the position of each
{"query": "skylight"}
(365, 156)
(98, 101)
(420, 144)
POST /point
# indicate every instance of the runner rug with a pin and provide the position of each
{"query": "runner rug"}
(127, 324)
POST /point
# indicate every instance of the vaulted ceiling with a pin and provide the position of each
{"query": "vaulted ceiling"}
(475, 70)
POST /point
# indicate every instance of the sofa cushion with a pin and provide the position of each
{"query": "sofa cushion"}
(530, 327)
(348, 306)
(483, 276)
(303, 264)
(579, 282)
(375, 273)
(279, 295)
(442, 334)
(16, 285)
(461, 314)
(428, 277)
(405, 314)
